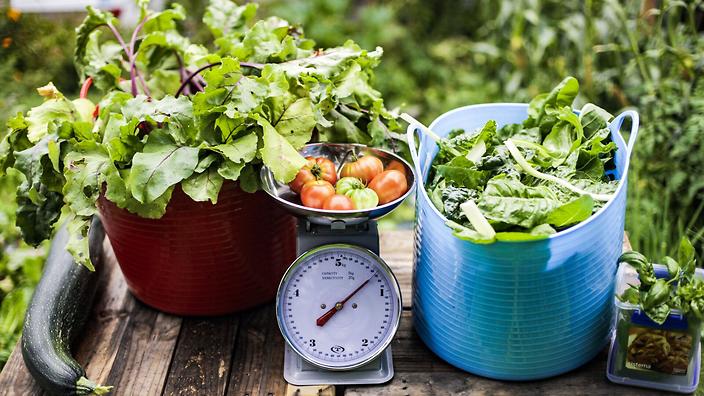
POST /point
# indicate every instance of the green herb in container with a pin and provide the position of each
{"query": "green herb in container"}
(659, 314)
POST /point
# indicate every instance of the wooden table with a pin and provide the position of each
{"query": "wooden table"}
(145, 352)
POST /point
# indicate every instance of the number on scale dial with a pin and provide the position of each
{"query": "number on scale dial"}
(338, 306)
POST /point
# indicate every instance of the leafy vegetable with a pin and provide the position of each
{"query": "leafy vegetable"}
(525, 180)
(683, 290)
(174, 113)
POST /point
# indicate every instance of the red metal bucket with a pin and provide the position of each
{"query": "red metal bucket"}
(200, 258)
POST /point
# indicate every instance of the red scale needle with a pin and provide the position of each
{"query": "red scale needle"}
(339, 305)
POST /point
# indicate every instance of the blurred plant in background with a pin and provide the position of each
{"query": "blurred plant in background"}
(647, 54)
(33, 51)
(20, 269)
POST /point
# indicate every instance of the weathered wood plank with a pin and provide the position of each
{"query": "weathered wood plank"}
(107, 322)
(202, 360)
(396, 248)
(322, 390)
(420, 372)
(145, 352)
(257, 366)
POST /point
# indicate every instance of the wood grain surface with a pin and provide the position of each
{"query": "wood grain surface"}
(145, 352)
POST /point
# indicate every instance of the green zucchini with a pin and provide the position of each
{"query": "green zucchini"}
(59, 308)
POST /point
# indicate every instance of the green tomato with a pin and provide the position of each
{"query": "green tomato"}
(363, 197)
(347, 184)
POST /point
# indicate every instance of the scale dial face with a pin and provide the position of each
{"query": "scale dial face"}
(338, 306)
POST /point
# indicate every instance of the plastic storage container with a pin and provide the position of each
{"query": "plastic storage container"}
(643, 353)
(515, 310)
(200, 258)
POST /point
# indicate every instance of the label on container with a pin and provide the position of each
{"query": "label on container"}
(663, 351)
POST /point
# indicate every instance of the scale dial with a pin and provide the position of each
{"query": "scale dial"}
(338, 306)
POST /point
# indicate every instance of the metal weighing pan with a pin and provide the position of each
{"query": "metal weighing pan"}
(337, 153)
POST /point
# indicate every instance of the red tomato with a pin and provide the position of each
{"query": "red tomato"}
(396, 165)
(364, 168)
(338, 202)
(324, 169)
(389, 185)
(314, 193)
(319, 168)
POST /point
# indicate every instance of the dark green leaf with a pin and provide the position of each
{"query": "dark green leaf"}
(572, 212)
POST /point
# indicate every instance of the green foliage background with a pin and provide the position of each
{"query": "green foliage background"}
(444, 54)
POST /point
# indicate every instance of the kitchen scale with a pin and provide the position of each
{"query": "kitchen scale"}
(338, 305)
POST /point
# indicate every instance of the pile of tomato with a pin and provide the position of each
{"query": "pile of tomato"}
(364, 183)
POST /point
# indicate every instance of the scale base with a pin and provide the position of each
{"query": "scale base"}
(299, 372)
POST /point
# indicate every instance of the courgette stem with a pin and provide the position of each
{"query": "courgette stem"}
(95, 389)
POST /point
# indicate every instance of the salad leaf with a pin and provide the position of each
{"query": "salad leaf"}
(463, 173)
(161, 165)
(204, 186)
(508, 201)
(572, 212)
(278, 154)
(225, 17)
(94, 19)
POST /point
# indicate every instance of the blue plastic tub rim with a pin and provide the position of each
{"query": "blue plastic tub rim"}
(614, 127)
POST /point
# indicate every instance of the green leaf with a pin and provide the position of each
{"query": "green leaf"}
(508, 201)
(224, 17)
(263, 42)
(659, 293)
(161, 165)
(243, 149)
(77, 243)
(230, 170)
(342, 130)
(165, 20)
(93, 20)
(102, 62)
(543, 108)
(204, 186)
(686, 256)
(118, 192)
(330, 62)
(673, 267)
(53, 111)
(452, 197)
(86, 169)
(630, 295)
(658, 313)
(534, 234)
(205, 162)
(646, 273)
(463, 173)
(572, 212)
(593, 119)
(353, 86)
(249, 179)
(54, 153)
(468, 234)
(278, 154)
(35, 220)
(296, 123)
